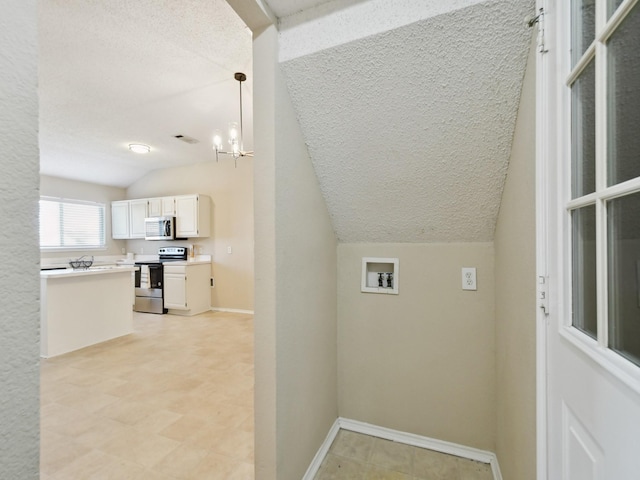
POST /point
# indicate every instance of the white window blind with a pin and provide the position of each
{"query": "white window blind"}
(71, 224)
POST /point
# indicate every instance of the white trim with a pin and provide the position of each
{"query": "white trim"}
(322, 451)
(545, 143)
(232, 310)
(404, 438)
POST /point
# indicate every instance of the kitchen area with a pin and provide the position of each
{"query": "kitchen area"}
(158, 259)
(90, 299)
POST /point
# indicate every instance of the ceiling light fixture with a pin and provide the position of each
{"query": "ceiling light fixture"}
(139, 148)
(236, 147)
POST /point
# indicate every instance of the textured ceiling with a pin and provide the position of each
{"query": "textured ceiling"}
(118, 72)
(284, 8)
(410, 130)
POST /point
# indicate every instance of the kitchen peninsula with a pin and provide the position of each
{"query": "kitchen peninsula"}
(84, 307)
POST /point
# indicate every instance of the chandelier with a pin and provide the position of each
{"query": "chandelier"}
(236, 148)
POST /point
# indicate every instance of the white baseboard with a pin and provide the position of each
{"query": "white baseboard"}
(322, 451)
(231, 310)
(401, 437)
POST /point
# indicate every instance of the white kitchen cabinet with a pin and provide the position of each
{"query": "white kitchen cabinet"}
(175, 288)
(193, 216)
(154, 207)
(168, 206)
(120, 219)
(161, 207)
(187, 288)
(137, 214)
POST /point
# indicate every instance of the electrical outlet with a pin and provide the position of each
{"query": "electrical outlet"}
(469, 278)
(229, 250)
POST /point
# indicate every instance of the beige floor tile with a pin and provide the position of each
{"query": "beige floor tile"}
(392, 456)
(96, 465)
(57, 451)
(125, 411)
(87, 400)
(140, 447)
(435, 465)
(181, 462)
(335, 467)
(374, 472)
(157, 420)
(353, 445)
(219, 467)
(95, 431)
(185, 427)
(471, 470)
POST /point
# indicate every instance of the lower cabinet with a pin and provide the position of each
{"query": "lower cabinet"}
(187, 288)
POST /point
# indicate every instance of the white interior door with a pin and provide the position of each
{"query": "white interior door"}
(588, 199)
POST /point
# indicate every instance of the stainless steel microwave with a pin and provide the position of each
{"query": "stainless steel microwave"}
(160, 228)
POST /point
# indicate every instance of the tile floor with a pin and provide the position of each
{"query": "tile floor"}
(354, 456)
(166, 402)
(174, 400)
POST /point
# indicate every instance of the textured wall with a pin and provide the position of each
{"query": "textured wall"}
(295, 285)
(421, 361)
(231, 192)
(515, 298)
(19, 283)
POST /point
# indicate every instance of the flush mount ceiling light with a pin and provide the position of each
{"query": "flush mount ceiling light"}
(139, 148)
(236, 148)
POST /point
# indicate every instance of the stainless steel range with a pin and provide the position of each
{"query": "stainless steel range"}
(150, 277)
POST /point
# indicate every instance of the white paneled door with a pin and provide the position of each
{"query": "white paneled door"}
(588, 202)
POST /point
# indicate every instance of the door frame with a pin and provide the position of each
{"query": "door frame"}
(545, 138)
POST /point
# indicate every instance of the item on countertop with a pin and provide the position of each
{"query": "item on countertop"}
(79, 263)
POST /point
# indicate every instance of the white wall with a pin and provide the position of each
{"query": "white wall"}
(19, 283)
(296, 370)
(515, 298)
(76, 190)
(231, 192)
(421, 361)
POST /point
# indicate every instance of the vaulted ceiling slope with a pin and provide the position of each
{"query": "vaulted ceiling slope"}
(410, 129)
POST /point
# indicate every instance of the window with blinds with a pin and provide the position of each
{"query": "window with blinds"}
(71, 224)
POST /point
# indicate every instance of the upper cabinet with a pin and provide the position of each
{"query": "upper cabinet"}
(137, 214)
(192, 212)
(161, 207)
(120, 219)
(168, 206)
(193, 216)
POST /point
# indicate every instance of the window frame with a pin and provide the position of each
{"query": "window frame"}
(597, 349)
(62, 248)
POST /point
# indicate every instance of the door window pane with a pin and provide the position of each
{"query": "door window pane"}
(583, 132)
(583, 27)
(612, 5)
(624, 271)
(583, 223)
(623, 98)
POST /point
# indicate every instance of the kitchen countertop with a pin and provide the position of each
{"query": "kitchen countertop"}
(99, 270)
(180, 263)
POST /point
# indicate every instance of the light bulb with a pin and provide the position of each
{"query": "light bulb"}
(233, 131)
(217, 140)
